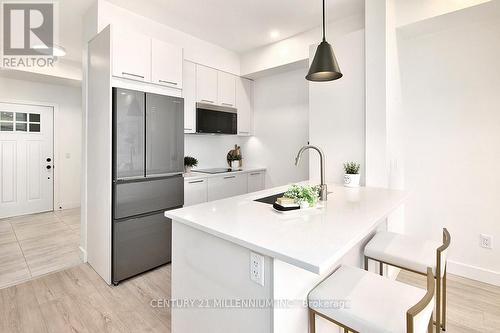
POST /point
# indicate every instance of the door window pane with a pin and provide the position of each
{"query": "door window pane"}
(6, 127)
(21, 127)
(34, 117)
(34, 127)
(21, 116)
(7, 116)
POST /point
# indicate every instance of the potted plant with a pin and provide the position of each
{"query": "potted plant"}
(189, 163)
(351, 177)
(235, 161)
(306, 196)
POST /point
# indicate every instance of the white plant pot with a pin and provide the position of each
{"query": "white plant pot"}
(304, 204)
(351, 180)
(235, 165)
(187, 169)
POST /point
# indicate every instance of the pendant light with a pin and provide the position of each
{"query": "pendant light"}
(324, 66)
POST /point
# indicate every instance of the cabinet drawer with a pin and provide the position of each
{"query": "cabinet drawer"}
(256, 181)
(227, 186)
(195, 192)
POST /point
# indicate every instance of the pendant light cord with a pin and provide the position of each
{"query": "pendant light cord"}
(324, 39)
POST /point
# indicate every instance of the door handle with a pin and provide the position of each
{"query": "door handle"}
(196, 181)
(229, 177)
(168, 82)
(134, 75)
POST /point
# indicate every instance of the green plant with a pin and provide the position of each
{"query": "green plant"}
(351, 168)
(235, 158)
(305, 193)
(190, 161)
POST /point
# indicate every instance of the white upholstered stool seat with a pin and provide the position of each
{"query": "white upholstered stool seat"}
(404, 251)
(374, 304)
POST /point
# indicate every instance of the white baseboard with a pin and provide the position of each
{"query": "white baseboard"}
(83, 254)
(473, 272)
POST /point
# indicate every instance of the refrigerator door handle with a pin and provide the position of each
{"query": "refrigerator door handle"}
(163, 175)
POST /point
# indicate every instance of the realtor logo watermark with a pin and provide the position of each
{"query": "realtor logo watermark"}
(28, 31)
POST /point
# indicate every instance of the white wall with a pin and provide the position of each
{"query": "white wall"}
(450, 104)
(413, 11)
(211, 150)
(295, 48)
(337, 111)
(280, 127)
(195, 49)
(67, 141)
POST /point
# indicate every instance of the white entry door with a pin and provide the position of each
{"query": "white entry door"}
(26, 159)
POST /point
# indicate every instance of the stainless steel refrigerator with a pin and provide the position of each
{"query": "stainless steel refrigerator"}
(148, 161)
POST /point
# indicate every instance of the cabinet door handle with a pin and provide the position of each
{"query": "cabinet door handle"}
(196, 181)
(134, 75)
(228, 104)
(168, 82)
(228, 177)
(255, 174)
(208, 101)
(242, 132)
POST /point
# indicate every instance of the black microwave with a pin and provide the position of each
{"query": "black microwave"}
(215, 119)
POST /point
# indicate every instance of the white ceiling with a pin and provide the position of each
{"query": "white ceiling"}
(238, 25)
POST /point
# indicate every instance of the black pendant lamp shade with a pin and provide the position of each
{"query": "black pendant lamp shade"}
(324, 66)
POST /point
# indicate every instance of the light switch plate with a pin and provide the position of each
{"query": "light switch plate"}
(257, 268)
(485, 241)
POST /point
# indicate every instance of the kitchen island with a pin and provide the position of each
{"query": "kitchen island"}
(213, 246)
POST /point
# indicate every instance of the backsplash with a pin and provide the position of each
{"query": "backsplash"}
(211, 150)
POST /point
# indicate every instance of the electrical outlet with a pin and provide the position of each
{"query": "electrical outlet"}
(485, 241)
(257, 268)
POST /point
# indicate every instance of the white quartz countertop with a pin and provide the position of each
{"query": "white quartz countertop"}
(200, 175)
(313, 239)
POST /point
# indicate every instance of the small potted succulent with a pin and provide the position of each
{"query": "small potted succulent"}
(189, 163)
(351, 177)
(306, 196)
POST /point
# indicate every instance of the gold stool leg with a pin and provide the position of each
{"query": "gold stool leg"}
(346, 330)
(366, 263)
(438, 301)
(312, 322)
(429, 328)
(444, 299)
(381, 269)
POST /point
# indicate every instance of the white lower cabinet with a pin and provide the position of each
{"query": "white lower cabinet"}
(227, 186)
(224, 186)
(195, 191)
(256, 181)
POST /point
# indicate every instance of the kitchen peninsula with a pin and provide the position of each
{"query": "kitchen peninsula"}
(230, 252)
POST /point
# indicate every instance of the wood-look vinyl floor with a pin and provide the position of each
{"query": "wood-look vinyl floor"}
(34, 245)
(78, 300)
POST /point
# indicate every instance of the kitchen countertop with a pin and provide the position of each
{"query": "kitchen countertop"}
(200, 175)
(313, 239)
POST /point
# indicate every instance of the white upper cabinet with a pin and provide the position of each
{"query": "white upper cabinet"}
(244, 103)
(206, 84)
(189, 95)
(131, 56)
(226, 89)
(166, 64)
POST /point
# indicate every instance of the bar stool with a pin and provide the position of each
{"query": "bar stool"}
(374, 304)
(413, 255)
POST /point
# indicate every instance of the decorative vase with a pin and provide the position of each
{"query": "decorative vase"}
(187, 169)
(235, 164)
(351, 180)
